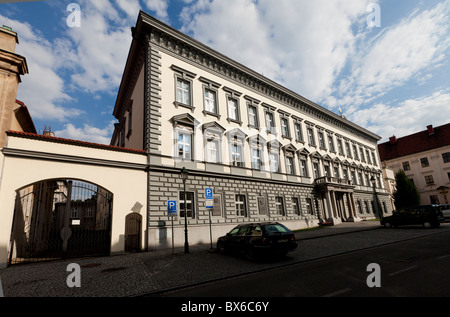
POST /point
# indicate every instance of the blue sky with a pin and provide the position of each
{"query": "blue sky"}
(392, 79)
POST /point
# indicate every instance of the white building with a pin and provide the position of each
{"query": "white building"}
(268, 153)
(425, 158)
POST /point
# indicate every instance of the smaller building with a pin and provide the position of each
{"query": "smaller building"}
(425, 158)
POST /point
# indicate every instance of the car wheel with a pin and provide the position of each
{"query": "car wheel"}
(427, 225)
(220, 247)
(388, 225)
(250, 254)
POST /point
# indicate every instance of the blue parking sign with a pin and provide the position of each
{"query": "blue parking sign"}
(172, 208)
(209, 194)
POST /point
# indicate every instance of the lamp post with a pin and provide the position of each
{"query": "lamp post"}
(184, 177)
(375, 196)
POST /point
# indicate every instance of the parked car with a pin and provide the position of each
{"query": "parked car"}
(258, 239)
(446, 212)
(426, 215)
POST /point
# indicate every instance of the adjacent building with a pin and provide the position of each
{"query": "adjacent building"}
(268, 153)
(425, 158)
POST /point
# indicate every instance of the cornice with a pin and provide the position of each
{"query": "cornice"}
(194, 52)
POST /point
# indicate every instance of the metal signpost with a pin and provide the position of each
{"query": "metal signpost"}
(209, 196)
(172, 211)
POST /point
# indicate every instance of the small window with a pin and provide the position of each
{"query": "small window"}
(253, 119)
(446, 157)
(424, 162)
(406, 166)
(311, 136)
(285, 128)
(233, 109)
(279, 205)
(270, 122)
(295, 206)
(321, 140)
(183, 92)
(429, 180)
(241, 208)
(190, 213)
(309, 206)
(211, 101)
(303, 167)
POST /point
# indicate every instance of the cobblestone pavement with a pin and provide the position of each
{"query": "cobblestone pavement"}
(152, 272)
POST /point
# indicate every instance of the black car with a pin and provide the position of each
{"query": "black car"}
(258, 239)
(446, 212)
(426, 215)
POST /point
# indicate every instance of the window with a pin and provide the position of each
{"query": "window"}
(236, 155)
(274, 159)
(212, 151)
(347, 149)
(311, 136)
(355, 152)
(353, 174)
(316, 170)
(189, 205)
(279, 205)
(241, 208)
(290, 165)
(429, 180)
(303, 167)
(345, 172)
(434, 200)
(446, 157)
(309, 206)
(406, 166)
(270, 122)
(295, 206)
(253, 120)
(368, 157)
(211, 101)
(340, 148)
(256, 159)
(298, 132)
(424, 162)
(327, 170)
(184, 145)
(361, 150)
(285, 127)
(374, 160)
(360, 178)
(321, 140)
(183, 92)
(233, 109)
(336, 172)
(331, 143)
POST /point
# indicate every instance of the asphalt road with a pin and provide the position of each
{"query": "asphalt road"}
(413, 268)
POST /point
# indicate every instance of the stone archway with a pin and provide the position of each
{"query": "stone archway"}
(58, 219)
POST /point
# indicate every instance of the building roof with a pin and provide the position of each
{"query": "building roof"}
(24, 118)
(432, 138)
(72, 142)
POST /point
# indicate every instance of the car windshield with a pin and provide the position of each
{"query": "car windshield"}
(275, 229)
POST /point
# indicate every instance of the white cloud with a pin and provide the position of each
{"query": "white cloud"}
(43, 88)
(398, 54)
(159, 7)
(87, 133)
(301, 44)
(407, 117)
(101, 47)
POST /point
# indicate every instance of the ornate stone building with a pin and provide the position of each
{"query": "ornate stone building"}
(268, 153)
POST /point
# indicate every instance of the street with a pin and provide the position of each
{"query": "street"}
(416, 267)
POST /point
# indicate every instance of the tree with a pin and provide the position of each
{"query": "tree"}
(406, 194)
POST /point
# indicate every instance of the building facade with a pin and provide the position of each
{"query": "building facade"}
(268, 153)
(425, 158)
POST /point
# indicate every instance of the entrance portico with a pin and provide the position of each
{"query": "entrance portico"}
(338, 200)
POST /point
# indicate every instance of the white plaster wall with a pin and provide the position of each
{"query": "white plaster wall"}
(129, 186)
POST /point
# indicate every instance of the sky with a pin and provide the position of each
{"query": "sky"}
(383, 64)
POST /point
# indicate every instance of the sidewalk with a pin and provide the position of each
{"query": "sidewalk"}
(143, 273)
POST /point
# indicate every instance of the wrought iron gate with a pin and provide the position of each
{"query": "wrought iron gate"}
(60, 219)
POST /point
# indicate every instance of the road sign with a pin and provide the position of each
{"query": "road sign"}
(209, 194)
(172, 208)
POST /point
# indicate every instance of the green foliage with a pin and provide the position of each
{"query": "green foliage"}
(407, 194)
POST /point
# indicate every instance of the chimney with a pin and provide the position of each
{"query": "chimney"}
(393, 140)
(430, 130)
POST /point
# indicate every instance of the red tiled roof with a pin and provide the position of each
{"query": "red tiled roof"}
(73, 142)
(415, 143)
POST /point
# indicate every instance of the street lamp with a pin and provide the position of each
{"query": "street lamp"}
(184, 177)
(375, 196)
